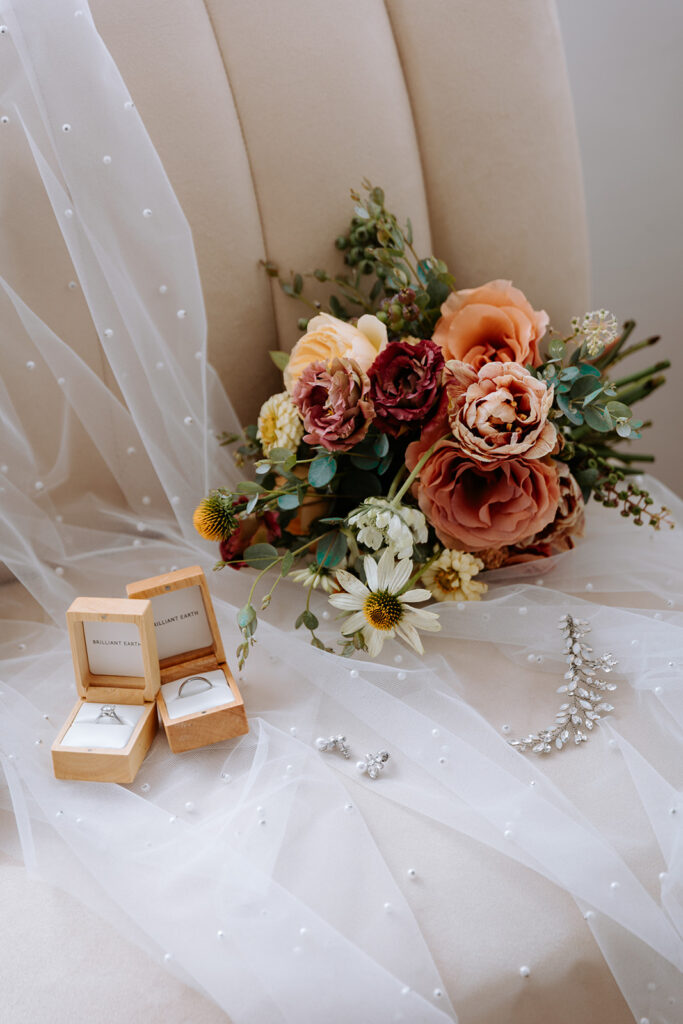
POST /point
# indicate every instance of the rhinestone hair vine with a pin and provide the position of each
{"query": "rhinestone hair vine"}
(585, 693)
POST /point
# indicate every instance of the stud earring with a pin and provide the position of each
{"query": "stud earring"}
(373, 764)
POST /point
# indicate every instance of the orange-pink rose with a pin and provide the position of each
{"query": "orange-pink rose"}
(493, 323)
(499, 412)
(474, 506)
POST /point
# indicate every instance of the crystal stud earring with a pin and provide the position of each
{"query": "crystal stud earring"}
(333, 743)
(373, 764)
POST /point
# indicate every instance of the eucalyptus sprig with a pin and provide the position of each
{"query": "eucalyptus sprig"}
(385, 275)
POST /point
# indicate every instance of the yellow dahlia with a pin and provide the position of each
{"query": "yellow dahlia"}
(279, 424)
(449, 578)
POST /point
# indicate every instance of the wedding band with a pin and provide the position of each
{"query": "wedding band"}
(108, 716)
(194, 679)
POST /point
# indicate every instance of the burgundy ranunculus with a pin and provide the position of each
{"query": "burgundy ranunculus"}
(334, 401)
(262, 529)
(405, 381)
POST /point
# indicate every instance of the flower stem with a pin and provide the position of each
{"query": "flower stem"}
(416, 471)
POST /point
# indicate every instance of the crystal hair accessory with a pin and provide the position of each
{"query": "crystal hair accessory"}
(585, 691)
(373, 764)
(333, 743)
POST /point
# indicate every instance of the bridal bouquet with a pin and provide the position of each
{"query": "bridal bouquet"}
(423, 435)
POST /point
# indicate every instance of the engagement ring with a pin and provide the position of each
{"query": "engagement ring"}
(108, 716)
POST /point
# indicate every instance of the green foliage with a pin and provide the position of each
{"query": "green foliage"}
(281, 359)
(261, 556)
(322, 470)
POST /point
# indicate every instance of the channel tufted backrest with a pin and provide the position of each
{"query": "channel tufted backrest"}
(266, 112)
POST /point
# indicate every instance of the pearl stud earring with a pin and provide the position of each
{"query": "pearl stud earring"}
(333, 743)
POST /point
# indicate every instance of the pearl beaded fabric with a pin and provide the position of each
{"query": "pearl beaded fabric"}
(276, 878)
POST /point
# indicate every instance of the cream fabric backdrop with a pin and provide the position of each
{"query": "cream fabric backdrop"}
(263, 115)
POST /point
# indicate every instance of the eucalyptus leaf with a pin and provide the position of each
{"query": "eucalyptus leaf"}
(287, 563)
(261, 556)
(380, 445)
(279, 455)
(280, 359)
(322, 470)
(289, 501)
(251, 504)
(330, 550)
(250, 487)
(598, 419)
(586, 370)
(620, 411)
(569, 373)
(582, 387)
(593, 394)
(364, 461)
(310, 621)
(385, 463)
(556, 348)
(573, 415)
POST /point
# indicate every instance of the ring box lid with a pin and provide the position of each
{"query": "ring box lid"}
(187, 632)
(114, 649)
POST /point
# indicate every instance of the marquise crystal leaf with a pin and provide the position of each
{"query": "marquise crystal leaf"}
(585, 691)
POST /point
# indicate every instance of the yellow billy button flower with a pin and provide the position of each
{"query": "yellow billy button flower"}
(382, 609)
(214, 518)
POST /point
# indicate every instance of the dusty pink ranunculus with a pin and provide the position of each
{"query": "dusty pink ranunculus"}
(474, 505)
(405, 383)
(493, 323)
(499, 412)
(333, 399)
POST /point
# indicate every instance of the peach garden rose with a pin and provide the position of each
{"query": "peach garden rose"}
(493, 322)
(328, 338)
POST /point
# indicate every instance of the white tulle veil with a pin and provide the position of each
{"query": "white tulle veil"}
(258, 870)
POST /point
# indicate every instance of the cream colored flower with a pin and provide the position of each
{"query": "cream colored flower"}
(382, 609)
(327, 337)
(279, 424)
(599, 329)
(313, 575)
(449, 578)
(379, 524)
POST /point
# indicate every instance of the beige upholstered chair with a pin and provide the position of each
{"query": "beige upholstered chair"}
(264, 113)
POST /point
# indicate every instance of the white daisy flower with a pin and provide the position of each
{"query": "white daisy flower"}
(380, 610)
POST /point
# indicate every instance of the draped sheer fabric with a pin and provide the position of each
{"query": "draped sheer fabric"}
(253, 868)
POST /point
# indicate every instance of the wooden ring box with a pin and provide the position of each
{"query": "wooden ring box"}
(189, 644)
(108, 633)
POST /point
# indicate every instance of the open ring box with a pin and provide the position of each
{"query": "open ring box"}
(199, 701)
(111, 728)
